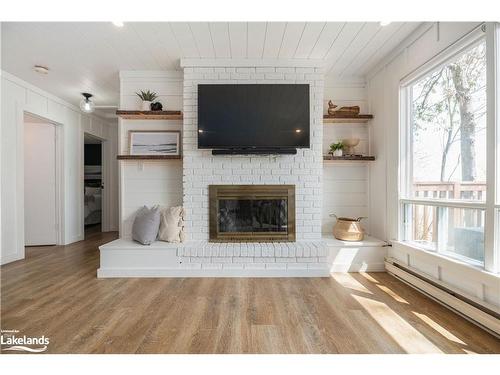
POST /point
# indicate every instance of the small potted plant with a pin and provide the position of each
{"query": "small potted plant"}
(147, 98)
(336, 149)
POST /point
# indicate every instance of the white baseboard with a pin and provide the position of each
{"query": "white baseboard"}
(173, 272)
(74, 239)
(10, 258)
(470, 312)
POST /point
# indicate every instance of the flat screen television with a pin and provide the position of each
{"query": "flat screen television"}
(253, 116)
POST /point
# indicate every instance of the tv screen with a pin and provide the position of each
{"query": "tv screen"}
(253, 116)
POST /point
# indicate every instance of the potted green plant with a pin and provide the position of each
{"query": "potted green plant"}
(147, 98)
(336, 149)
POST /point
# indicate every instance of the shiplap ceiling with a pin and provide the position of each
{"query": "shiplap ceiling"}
(87, 56)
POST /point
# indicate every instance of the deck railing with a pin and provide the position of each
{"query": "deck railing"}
(451, 190)
(425, 217)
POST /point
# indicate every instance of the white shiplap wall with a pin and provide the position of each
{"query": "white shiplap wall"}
(19, 97)
(152, 182)
(345, 184)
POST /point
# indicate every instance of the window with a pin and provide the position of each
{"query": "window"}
(443, 190)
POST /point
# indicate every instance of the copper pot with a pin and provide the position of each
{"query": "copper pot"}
(348, 229)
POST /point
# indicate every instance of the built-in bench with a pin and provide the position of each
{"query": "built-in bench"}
(356, 256)
(127, 258)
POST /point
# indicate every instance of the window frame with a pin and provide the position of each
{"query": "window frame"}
(490, 34)
(492, 241)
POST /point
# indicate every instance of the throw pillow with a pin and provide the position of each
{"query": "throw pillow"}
(172, 225)
(146, 225)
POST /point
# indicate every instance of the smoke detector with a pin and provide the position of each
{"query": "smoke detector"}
(41, 69)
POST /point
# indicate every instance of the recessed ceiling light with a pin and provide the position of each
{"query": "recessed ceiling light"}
(118, 23)
(298, 130)
(41, 69)
(384, 23)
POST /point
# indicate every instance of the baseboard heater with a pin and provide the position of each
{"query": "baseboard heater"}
(485, 317)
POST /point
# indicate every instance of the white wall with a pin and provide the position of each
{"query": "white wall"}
(384, 84)
(151, 182)
(18, 97)
(345, 188)
(345, 184)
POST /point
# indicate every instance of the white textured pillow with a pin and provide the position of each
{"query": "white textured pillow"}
(172, 225)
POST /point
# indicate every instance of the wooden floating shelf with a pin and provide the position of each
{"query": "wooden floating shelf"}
(327, 119)
(149, 157)
(149, 115)
(348, 158)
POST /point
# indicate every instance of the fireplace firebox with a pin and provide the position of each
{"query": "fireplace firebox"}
(240, 213)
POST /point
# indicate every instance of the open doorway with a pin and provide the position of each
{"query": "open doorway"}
(41, 175)
(93, 184)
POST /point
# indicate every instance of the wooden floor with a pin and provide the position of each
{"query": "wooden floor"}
(55, 292)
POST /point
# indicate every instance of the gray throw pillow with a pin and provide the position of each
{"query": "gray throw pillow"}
(146, 225)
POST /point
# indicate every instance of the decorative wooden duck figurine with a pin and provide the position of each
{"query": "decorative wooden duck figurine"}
(352, 110)
(331, 108)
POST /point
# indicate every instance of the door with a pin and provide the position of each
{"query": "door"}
(40, 225)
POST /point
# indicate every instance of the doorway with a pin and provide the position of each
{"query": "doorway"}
(93, 184)
(40, 182)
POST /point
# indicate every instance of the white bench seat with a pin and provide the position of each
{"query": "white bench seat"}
(124, 244)
(356, 256)
(368, 241)
(127, 258)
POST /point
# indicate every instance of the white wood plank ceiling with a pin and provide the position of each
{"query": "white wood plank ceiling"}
(87, 56)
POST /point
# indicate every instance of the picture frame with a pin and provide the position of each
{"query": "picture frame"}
(155, 142)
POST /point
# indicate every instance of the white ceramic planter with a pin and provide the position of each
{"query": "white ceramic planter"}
(146, 106)
(337, 153)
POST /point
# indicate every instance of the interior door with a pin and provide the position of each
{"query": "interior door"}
(40, 184)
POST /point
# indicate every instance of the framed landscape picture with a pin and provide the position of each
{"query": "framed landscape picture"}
(154, 142)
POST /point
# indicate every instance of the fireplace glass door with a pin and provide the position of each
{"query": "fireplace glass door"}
(252, 213)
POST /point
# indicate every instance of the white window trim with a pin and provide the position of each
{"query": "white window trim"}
(491, 205)
(475, 205)
(491, 230)
(444, 56)
(446, 260)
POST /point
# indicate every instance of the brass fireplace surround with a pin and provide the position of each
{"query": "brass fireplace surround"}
(251, 192)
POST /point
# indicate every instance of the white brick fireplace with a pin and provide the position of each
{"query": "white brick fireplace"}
(201, 168)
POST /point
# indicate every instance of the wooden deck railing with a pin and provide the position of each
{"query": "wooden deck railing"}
(451, 190)
(424, 217)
